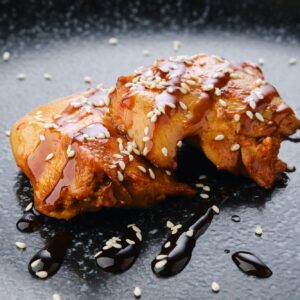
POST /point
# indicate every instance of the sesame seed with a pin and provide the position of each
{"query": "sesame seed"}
(146, 52)
(146, 130)
(170, 89)
(249, 114)
(117, 246)
(215, 287)
(206, 188)
(176, 45)
(137, 292)
(134, 227)
(97, 254)
(164, 151)
(29, 206)
(202, 177)
(118, 156)
(223, 102)
(56, 297)
(208, 87)
(145, 151)
(167, 244)
(170, 224)
(259, 117)
(7, 133)
(183, 105)
(21, 245)
(191, 82)
(183, 90)
(41, 274)
(122, 164)
(216, 209)
(293, 61)
(50, 125)
(151, 173)
(87, 79)
(106, 247)
(290, 168)
(141, 168)
(49, 156)
(172, 105)
(204, 196)
(185, 86)
(252, 104)
(70, 152)
(168, 172)
(199, 185)
(258, 230)
(258, 94)
(146, 139)
(35, 263)
(190, 233)
(259, 82)
(218, 92)
(160, 264)
(6, 56)
(113, 41)
(47, 76)
(120, 176)
(21, 76)
(106, 100)
(219, 137)
(161, 256)
(139, 236)
(153, 119)
(261, 61)
(235, 147)
(130, 242)
(236, 117)
(179, 144)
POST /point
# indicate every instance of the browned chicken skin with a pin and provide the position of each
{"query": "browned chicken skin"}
(238, 118)
(77, 162)
(88, 150)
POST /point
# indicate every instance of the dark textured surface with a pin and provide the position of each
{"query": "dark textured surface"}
(69, 42)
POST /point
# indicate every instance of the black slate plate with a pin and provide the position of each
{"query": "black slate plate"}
(69, 40)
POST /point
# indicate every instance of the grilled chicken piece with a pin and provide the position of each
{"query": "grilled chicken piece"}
(77, 162)
(238, 118)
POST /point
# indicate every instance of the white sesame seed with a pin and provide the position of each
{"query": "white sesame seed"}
(258, 230)
(258, 94)
(153, 119)
(208, 87)
(235, 147)
(183, 105)
(170, 224)
(168, 172)
(218, 92)
(70, 152)
(146, 52)
(223, 102)
(202, 177)
(47, 76)
(50, 125)
(219, 137)
(293, 61)
(199, 185)
(161, 256)
(97, 254)
(56, 297)
(215, 287)
(113, 41)
(170, 89)
(290, 168)
(191, 82)
(141, 168)
(167, 244)
(137, 292)
(179, 144)
(106, 100)
(259, 117)
(118, 156)
(134, 227)
(21, 245)
(151, 173)
(145, 151)
(190, 233)
(160, 264)
(236, 117)
(172, 105)
(29, 206)
(6, 56)
(146, 130)
(49, 156)
(130, 242)
(206, 188)
(249, 114)
(21, 76)
(87, 79)
(185, 86)
(216, 209)
(41, 274)
(261, 61)
(120, 176)
(122, 164)
(176, 45)
(259, 82)
(7, 133)
(35, 263)
(164, 151)
(117, 246)
(146, 139)
(252, 104)
(139, 236)
(106, 247)
(204, 196)
(183, 90)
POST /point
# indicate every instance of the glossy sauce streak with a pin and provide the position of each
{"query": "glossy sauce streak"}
(50, 257)
(251, 264)
(117, 260)
(30, 221)
(177, 250)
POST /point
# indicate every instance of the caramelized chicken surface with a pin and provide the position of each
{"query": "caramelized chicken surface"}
(237, 117)
(76, 161)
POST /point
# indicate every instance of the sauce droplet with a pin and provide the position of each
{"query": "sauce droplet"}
(120, 253)
(30, 221)
(251, 264)
(47, 261)
(236, 218)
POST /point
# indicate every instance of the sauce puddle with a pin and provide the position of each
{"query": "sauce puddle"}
(177, 251)
(251, 264)
(47, 261)
(30, 221)
(120, 253)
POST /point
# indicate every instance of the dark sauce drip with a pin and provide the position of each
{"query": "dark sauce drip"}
(117, 260)
(30, 221)
(293, 140)
(251, 264)
(176, 252)
(236, 218)
(226, 251)
(50, 257)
